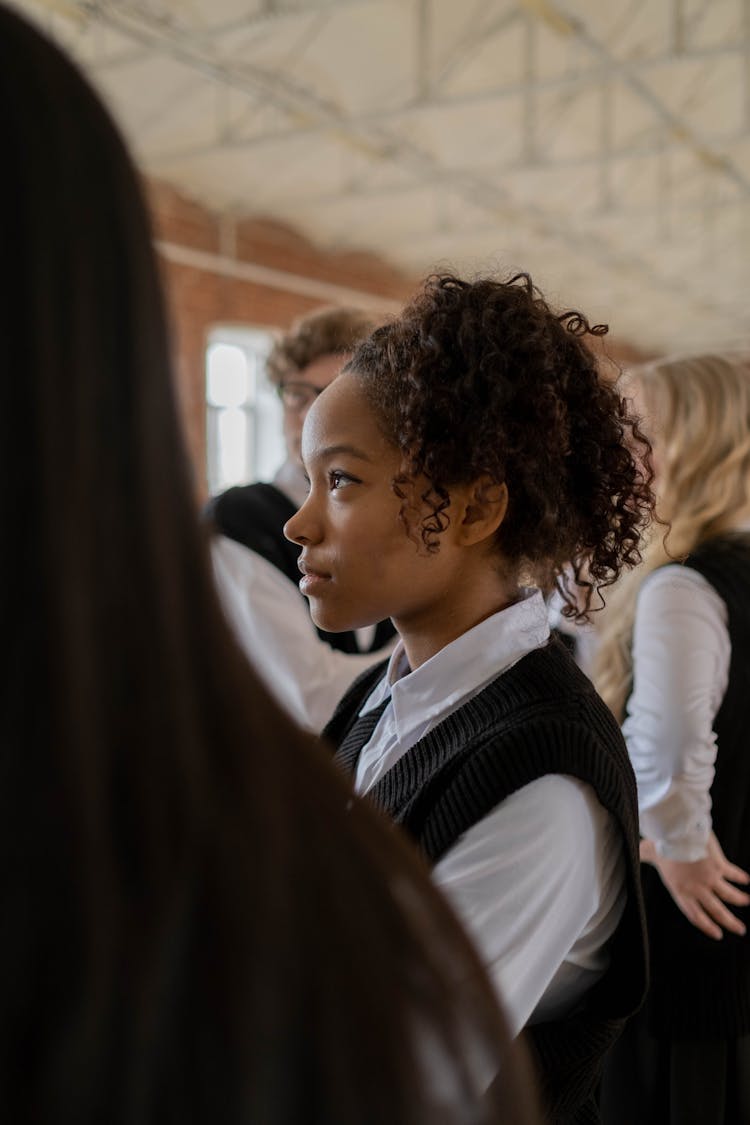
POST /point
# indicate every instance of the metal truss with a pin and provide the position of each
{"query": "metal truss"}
(595, 69)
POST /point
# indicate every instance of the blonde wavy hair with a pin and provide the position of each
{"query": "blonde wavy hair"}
(697, 415)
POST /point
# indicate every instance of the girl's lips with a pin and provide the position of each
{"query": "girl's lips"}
(311, 581)
(311, 584)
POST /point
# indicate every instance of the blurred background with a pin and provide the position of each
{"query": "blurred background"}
(307, 152)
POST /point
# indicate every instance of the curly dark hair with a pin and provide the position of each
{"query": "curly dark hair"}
(484, 378)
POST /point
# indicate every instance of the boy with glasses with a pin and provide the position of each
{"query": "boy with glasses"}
(255, 565)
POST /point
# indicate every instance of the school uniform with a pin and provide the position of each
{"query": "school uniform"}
(508, 771)
(686, 1061)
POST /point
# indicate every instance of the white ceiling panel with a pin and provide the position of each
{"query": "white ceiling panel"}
(603, 146)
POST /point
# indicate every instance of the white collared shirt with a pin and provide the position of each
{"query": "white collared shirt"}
(539, 882)
(681, 656)
(423, 698)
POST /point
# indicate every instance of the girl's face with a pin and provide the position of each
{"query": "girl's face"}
(359, 563)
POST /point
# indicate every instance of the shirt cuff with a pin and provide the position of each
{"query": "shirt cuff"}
(688, 849)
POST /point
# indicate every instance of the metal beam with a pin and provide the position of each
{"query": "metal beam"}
(582, 220)
(606, 128)
(677, 20)
(591, 79)
(235, 73)
(667, 143)
(423, 83)
(677, 124)
(179, 96)
(529, 115)
(624, 18)
(380, 144)
(478, 35)
(692, 18)
(77, 13)
(307, 107)
(746, 60)
(120, 59)
(664, 196)
(272, 11)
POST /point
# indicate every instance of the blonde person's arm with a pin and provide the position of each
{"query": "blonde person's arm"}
(274, 627)
(702, 888)
(681, 654)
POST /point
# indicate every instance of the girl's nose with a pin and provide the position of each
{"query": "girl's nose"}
(299, 528)
(290, 530)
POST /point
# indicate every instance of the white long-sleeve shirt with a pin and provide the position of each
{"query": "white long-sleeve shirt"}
(273, 626)
(681, 655)
(539, 882)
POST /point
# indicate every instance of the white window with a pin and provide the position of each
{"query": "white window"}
(243, 412)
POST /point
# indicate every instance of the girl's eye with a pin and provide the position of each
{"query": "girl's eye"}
(338, 480)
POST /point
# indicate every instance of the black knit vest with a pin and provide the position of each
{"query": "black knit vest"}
(701, 988)
(254, 515)
(541, 716)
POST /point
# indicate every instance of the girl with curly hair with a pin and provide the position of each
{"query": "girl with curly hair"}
(469, 451)
(674, 664)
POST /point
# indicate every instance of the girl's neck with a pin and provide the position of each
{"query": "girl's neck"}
(426, 635)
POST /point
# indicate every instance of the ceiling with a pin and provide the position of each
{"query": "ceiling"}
(602, 144)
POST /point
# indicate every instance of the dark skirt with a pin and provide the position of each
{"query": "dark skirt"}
(659, 1081)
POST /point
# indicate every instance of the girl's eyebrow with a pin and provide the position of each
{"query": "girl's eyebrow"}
(336, 450)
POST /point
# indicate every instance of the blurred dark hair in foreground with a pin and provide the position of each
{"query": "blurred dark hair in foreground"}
(195, 925)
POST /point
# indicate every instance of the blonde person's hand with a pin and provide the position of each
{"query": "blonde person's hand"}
(701, 889)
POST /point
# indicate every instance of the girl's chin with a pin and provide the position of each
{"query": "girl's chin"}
(333, 627)
(331, 622)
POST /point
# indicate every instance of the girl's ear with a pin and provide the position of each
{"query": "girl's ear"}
(485, 503)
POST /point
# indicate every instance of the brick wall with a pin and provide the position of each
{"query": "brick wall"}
(247, 272)
(256, 272)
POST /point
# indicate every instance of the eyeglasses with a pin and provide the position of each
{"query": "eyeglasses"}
(298, 396)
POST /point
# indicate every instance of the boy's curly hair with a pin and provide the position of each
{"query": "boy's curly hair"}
(483, 377)
(326, 331)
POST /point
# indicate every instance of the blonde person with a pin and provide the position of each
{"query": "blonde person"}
(674, 665)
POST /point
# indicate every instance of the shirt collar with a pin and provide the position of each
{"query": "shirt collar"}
(463, 667)
(398, 666)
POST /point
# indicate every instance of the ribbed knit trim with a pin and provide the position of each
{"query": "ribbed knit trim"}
(349, 706)
(569, 1058)
(541, 716)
